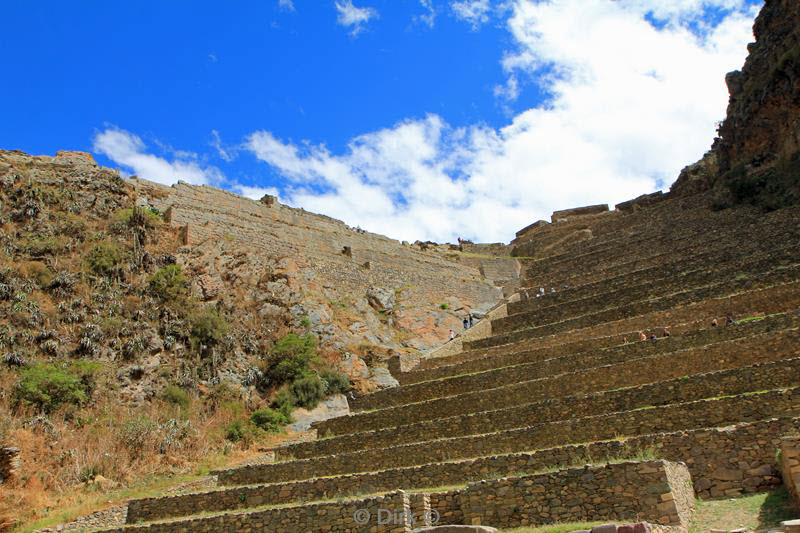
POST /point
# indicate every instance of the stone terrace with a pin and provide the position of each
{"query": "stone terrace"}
(564, 380)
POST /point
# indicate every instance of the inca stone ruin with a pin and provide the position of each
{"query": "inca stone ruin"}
(625, 362)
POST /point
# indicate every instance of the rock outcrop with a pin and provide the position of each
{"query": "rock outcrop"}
(756, 158)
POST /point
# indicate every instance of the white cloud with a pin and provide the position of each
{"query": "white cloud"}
(129, 151)
(354, 17)
(429, 17)
(630, 105)
(226, 153)
(256, 193)
(475, 12)
(286, 4)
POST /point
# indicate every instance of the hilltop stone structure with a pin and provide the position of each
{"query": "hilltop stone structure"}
(625, 363)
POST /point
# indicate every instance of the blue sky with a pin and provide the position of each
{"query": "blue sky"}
(412, 118)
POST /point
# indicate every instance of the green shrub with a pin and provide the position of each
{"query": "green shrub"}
(134, 217)
(41, 246)
(307, 391)
(47, 386)
(208, 328)
(291, 357)
(236, 431)
(176, 396)
(269, 420)
(443, 306)
(335, 382)
(106, 259)
(283, 402)
(169, 284)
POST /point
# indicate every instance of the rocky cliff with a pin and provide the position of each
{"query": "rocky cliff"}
(756, 158)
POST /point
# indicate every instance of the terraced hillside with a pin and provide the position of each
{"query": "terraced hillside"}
(564, 380)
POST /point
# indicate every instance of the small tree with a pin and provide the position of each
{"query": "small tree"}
(169, 284)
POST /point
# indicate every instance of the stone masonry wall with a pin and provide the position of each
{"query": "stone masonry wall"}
(463, 394)
(318, 244)
(637, 300)
(790, 466)
(622, 491)
(760, 377)
(9, 462)
(723, 462)
(447, 505)
(555, 363)
(778, 298)
(705, 413)
(337, 516)
(658, 277)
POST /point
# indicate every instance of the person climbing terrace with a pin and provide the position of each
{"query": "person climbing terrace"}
(653, 337)
(642, 336)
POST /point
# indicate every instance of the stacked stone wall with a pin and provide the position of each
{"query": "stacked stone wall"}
(759, 377)
(317, 242)
(790, 465)
(452, 507)
(9, 462)
(776, 297)
(705, 413)
(572, 315)
(661, 271)
(563, 358)
(340, 516)
(655, 491)
(455, 395)
(695, 235)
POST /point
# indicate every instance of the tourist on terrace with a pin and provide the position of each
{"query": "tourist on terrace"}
(666, 331)
(466, 323)
(729, 320)
(452, 334)
(642, 336)
(714, 323)
(470, 320)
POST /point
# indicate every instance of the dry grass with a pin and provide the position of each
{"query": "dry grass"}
(137, 448)
(757, 512)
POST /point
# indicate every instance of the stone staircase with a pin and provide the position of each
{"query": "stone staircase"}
(501, 433)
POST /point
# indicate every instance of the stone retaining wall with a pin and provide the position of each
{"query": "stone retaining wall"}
(447, 401)
(656, 491)
(723, 462)
(705, 413)
(760, 377)
(779, 298)
(640, 304)
(665, 276)
(337, 516)
(558, 360)
(453, 507)
(9, 462)
(790, 465)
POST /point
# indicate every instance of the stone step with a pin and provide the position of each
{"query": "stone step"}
(554, 360)
(656, 490)
(700, 234)
(662, 270)
(551, 380)
(773, 293)
(706, 413)
(626, 263)
(723, 462)
(658, 295)
(763, 376)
